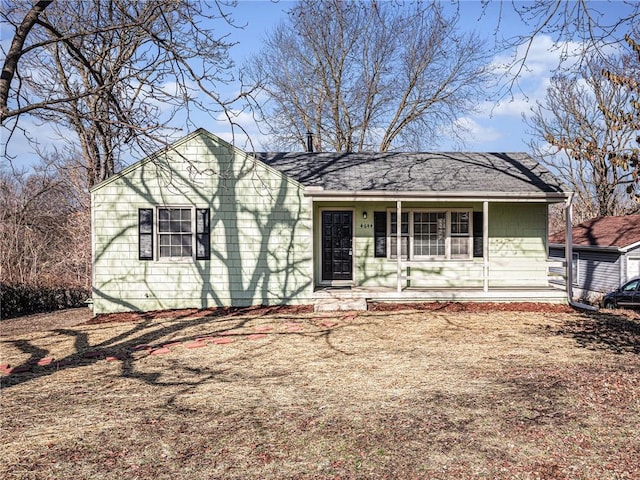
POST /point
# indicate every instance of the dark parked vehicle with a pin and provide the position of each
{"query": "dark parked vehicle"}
(627, 296)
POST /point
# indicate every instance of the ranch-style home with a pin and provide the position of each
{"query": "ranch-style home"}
(203, 224)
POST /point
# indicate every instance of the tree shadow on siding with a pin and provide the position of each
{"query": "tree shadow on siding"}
(257, 221)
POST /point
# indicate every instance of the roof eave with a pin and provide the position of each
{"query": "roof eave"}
(630, 247)
(575, 246)
(371, 195)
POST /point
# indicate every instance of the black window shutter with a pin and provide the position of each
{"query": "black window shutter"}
(380, 234)
(145, 233)
(203, 238)
(478, 221)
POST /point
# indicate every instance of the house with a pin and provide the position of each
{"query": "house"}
(606, 253)
(204, 224)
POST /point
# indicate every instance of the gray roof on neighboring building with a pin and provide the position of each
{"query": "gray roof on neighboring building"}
(416, 172)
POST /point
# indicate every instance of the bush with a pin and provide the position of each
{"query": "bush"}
(18, 300)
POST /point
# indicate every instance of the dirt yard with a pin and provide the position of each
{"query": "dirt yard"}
(436, 393)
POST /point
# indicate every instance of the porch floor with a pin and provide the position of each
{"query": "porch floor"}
(361, 295)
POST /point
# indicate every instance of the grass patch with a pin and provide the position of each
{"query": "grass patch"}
(400, 394)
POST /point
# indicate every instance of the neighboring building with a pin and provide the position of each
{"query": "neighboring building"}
(606, 253)
(204, 224)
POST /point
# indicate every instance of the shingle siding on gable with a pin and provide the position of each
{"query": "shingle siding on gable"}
(259, 234)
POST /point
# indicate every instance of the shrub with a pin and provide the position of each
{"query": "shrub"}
(18, 300)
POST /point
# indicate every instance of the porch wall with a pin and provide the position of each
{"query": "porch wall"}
(517, 245)
(517, 249)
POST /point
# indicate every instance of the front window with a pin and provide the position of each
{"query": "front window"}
(459, 234)
(429, 234)
(178, 232)
(425, 234)
(174, 232)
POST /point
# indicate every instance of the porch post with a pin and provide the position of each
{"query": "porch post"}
(399, 245)
(568, 247)
(485, 246)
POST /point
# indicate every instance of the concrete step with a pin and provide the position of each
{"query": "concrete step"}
(332, 304)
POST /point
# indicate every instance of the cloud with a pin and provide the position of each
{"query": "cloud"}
(539, 58)
(478, 132)
(245, 135)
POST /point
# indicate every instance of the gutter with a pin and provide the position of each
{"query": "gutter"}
(568, 257)
(583, 306)
(371, 195)
(589, 248)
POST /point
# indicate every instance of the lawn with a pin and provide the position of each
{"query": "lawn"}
(428, 394)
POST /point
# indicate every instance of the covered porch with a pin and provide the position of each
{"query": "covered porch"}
(501, 251)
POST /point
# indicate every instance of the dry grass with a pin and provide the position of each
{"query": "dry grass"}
(400, 394)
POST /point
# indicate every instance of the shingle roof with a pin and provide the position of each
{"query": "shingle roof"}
(617, 232)
(413, 172)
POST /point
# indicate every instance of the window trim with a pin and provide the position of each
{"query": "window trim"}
(158, 234)
(575, 268)
(200, 226)
(448, 235)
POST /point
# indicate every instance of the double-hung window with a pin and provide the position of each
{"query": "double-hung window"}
(431, 234)
(179, 233)
(460, 235)
(175, 232)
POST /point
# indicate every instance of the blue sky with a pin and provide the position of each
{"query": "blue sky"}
(495, 127)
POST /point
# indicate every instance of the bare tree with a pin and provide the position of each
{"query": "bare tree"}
(627, 157)
(44, 229)
(579, 29)
(572, 121)
(114, 73)
(367, 76)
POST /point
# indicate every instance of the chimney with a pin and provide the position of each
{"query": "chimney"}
(309, 142)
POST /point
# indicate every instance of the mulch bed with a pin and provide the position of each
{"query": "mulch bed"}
(472, 307)
(259, 310)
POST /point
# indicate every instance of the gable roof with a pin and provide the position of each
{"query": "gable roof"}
(167, 149)
(514, 173)
(617, 232)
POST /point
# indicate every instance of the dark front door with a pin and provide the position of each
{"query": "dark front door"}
(337, 245)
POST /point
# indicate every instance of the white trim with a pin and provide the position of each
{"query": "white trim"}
(233, 150)
(156, 233)
(399, 244)
(587, 247)
(485, 246)
(568, 252)
(629, 247)
(576, 276)
(93, 242)
(419, 196)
